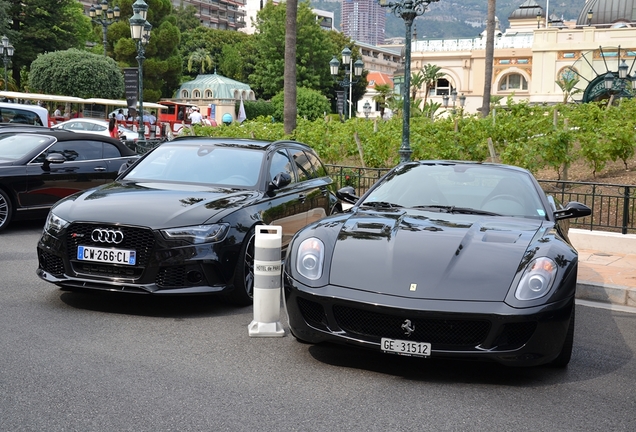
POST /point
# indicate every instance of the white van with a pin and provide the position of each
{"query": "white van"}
(23, 114)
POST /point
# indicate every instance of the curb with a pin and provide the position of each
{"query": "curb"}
(609, 294)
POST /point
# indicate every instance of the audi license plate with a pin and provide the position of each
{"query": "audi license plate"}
(111, 256)
(407, 348)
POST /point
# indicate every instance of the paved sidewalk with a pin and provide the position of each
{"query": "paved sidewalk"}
(607, 277)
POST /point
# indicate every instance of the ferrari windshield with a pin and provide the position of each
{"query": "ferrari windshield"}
(460, 188)
(209, 164)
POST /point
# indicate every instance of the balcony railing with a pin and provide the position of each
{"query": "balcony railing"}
(613, 205)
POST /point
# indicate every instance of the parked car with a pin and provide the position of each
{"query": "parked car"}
(96, 126)
(182, 219)
(440, 259)
(37, 168)
(23, 114)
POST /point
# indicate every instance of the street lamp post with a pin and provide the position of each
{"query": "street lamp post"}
(620, 85)
(7, 53)
(349, 69)
(140, 33)
(104, 15)
(408, 10)
(366, 108)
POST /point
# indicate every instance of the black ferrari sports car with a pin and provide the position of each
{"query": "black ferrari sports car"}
(441, 259)
(39, 166)
(182, 219)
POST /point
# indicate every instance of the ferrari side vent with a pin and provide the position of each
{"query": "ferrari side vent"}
(515, 335)
(313, 313)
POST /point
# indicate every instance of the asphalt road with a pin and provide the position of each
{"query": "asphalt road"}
(84, 362)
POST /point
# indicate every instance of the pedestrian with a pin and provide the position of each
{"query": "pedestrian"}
(113, 129)
(153, 117)
(195, 116)
(120, 115)
(58, 111)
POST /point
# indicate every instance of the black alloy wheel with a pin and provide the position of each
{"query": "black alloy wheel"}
(243, 292)
(6, 209)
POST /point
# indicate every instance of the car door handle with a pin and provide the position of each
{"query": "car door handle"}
(302, 198)
(100, 169)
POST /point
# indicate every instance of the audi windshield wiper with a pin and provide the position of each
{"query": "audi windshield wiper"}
(453, 209)
(380, 204)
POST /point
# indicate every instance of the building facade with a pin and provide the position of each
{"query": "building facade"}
(534, 53)
(217, 14)
(363, 21)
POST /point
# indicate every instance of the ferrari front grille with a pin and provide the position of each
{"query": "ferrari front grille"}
(313, 313)
(450, 333)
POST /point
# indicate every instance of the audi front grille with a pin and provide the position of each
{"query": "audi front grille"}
(138, 239)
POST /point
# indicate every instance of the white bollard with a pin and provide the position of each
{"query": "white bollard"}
(267, 281)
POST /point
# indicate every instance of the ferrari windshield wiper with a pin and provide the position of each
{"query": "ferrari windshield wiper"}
(453, 209)
(380, 204)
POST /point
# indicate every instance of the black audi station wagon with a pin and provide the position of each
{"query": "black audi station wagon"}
(182, 219)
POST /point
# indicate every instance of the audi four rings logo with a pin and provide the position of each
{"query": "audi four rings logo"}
(107, 236)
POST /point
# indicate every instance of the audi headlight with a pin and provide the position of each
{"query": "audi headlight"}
(310, 257)
(198, 234)
(537, 279)
(54, 224)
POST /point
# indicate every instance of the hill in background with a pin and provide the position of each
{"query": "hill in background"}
(449, 19)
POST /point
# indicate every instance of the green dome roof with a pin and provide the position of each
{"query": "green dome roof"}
(213, 86)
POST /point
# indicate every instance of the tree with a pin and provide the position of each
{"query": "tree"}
(76, 73)
(311, 104)
(200, 57)
(232, 52)
(163, 63)
(289, 110)
(567, 85)
(186, 18)
(40, 26)
(417, 80)
(430, 75)
(313, 51)
(385, 94)
(490, 55)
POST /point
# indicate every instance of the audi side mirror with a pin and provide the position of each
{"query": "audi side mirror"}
(280, 180)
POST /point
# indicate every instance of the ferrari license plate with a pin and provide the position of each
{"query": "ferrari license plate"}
(407, 348)
(111, 256)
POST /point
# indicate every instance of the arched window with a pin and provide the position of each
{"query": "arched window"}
(184, 94)
(208, 94)
(196, 94)
(442, 87)
(513, 81)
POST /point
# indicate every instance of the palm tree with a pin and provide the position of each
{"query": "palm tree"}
(431, 75)
(385, 94)
(490, 55)
(417, 79)
(290, 111)
(567, 85)
(200, 57)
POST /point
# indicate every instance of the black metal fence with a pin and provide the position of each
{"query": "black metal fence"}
(613, 205)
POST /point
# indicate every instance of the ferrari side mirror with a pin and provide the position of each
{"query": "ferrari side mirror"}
(347, 194)
(573, 210)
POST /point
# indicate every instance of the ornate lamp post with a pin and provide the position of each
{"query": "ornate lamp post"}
(619, 85)
(140, 33)
(350, 69)
(104, 15)
(7, 53)
(366, 108)
(408, 10)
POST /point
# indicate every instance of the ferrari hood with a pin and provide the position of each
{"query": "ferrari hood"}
(437, 256)
(156, 205)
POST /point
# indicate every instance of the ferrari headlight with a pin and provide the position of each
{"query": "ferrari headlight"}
(54, 224)
(198, 234)
(537, 279)
(310, 257)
